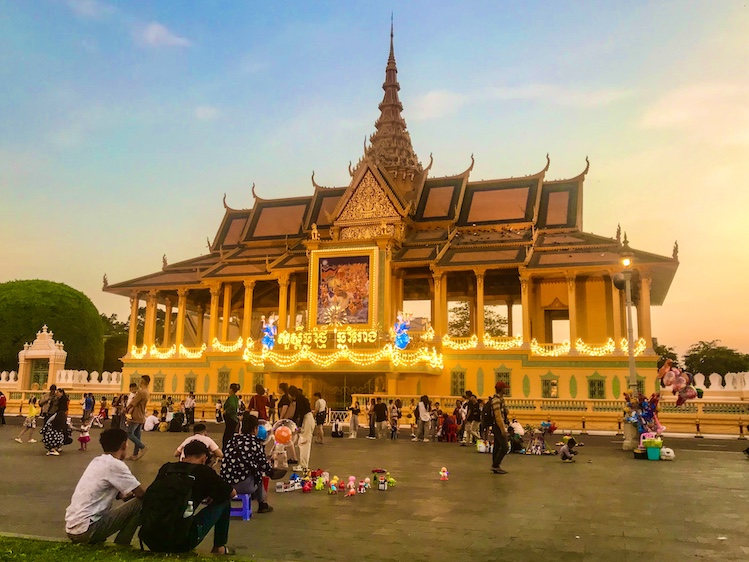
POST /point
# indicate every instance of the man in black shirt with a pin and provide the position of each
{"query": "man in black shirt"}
(381, 418)
(285, 412)
(473, 419)
(207, 485)
(306, 421)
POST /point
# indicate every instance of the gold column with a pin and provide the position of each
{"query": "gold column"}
(616, 317)
(133, 328)
(480, 308)
(525, 289)
(226, 312)
(249, 288)
(572, 311)
(179, 335)
(436, 304)
(444, 313)
(644, 329)
(292, 305)
(167, 323)
(283, 302)
(149, 333)
(213, 315)
(199, 326)
(510, 329)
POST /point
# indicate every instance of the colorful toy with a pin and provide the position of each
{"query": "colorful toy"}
(334, 483)
(367, 483)
(362, 489)
(391, 480)
(307, 486)
(351, 486)
(400, 331)
(319, 484)
(443, 473)
(681, 382)
(382, 483)
(537, 438)
(283, 434)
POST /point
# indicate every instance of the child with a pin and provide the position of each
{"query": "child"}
(567, 452)
(29, 424)
(85, 437)
(219, 416)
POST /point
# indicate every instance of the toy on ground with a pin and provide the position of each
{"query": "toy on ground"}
(334, 483)
(537, 438)
(667, 454)
(382, 483)
(362, 488)
(515, 433)
(351, 486)
(443, 473)
(391, 480)
(319, 484)
(367, 483)
(278, 457)
(307, 486)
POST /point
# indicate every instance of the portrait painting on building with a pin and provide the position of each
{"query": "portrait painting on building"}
(343, 290)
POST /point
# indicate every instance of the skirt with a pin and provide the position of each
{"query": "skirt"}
(30, 422)
(52, 438)
(84, 439)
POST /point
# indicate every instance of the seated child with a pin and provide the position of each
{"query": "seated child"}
(567, 452)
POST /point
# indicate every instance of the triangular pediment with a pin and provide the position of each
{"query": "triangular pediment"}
(367, 201)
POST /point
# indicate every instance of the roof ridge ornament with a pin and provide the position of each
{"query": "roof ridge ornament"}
(675, 253)
(548, 163)
(619, 234)
(104, 285)
(255, 195)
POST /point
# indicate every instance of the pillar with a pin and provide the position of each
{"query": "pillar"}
(179, 333)
(572, 311)
(510, 303)
(133, 327)
(616, 305)
(283, 302)
(292, 305)
(213, 314)
(167, 323)
(436, 304)
(249, 288)
(226, 312)
(443, 306)
(480, 308)
(199, 326)
(525, 288)
(392, 384)
(149, 333)
(643, 314)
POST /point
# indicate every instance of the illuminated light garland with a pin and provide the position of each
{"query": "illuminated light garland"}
(156, 353)
(502, 343)
(197, 354)
(216, 345)
(472, 343)
(596, 351)
(138, 353)
(344, 354)
(640, 346)
(428, 335)
(322, 338)
(556, 351)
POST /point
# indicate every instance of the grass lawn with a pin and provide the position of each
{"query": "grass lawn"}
(33, 550)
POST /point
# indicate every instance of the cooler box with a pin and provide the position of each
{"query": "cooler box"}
(654, 453)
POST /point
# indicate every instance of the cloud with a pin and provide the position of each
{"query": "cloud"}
(206, 113)
(438, 103)
(156, 35)
(92, 9)
(710, 111)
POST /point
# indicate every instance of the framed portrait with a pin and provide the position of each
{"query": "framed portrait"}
(343, 287)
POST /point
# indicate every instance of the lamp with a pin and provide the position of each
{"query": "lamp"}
(624, 281)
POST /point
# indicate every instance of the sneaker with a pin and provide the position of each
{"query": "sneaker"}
(140, 455)
(264, 508)
(298, 468)
(370, 437)
(464, 444)
(414, 439)
(32, 440)
(426, 440)
(53, 453)
(18, 440)
(498, 471)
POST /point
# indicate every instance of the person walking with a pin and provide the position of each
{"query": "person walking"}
(320, 412)
(381, 418)
(272, 401)
(306, 421)
(56, 428)
(231, 414)
(423, 418)
(48, 404)
(499, 427)
(137, 410)
(29, 424)
(353, 427)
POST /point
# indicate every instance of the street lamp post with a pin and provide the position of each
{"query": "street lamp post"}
(630, 432)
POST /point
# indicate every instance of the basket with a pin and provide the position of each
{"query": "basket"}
(654, 453)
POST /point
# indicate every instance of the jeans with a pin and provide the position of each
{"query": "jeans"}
(500, 447)
(353, 426)
(190, 413)
(229, 430)
(133, 433)
(383, 428)
(423, 431)
(252, 487)
(124, 521)
(213, 516)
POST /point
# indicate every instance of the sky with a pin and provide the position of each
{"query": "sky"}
(123, 124)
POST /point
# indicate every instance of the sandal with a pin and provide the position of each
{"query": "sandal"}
(226, 550)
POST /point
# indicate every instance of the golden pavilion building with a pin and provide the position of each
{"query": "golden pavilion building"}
(337, 265)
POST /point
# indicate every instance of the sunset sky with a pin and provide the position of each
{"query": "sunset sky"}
(123, 124)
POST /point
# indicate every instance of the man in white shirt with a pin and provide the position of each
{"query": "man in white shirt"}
(190, 408)
(320, 413)
(90, 517)
(200, 434)
(152, 422)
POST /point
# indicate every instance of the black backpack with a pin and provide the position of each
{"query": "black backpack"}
(165, 526)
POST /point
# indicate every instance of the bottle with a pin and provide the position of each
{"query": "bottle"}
(189, 510)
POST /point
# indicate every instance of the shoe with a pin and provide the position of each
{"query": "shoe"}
(18, 440)
(298, 468)
(568, 460)
(464, 445)
(32, 440)
(370, 437)
(352, 436)
(131, 458)
(224, 550)
(53, 453)
(498, 471)
(141, 453)
(426, 440)
(264, 508)
(414, 439)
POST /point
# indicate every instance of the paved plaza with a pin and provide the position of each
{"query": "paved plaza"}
(606, 506)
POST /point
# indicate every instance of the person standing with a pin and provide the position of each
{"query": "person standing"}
(286, 409)
(119, 405)
(272, 400)
(137, 411)
(190, 408)
(371, 419)
(354, 421)
(423, 419)
(499, 427)
(3, 404)
(473, 418)
(259, 403)
(49, 404)
(219, 415)
(320, 412)
(56, 428)
(29, 424)
(381, 418)
(231, 414)
(303, 418)
(284, 402)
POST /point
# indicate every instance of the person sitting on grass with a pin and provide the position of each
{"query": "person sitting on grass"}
(90, 517)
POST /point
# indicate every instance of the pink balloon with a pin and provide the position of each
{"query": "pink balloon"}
(668, 378)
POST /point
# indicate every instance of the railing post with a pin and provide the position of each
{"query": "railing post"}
(583, 432)
(619, 426)
(742, 437)
(697, 425)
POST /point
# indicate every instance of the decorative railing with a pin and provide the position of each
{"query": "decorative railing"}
(502, 343)
(550, 349)
(460, 343)
(229, 347)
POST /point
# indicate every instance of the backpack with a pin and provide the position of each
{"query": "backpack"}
(165, 514)
(487, 415)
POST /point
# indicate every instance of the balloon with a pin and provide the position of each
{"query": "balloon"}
(283, 434)
(668, 378)
(267, 430)
(262, 433)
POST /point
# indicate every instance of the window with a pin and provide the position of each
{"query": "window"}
(641, 385)
(190, 384)
(223, 381)
(596, 389)
(549, 388)
(158, 384)
(257, 378)
(457, 383)
(503, 375)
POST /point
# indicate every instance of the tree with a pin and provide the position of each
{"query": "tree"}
(664, 353)
(26, 306)
(708, 357)
(459, 321)
(111, 325)
(115, 347)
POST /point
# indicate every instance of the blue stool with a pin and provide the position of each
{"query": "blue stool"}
(245, 511)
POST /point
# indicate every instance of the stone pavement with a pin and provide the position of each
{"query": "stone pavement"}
(606, 506)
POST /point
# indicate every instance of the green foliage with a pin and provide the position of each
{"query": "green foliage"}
(115, 347)
(26, 306)
(459, 321)
(664, 353)
(30, 550)
(707, 357)
(111, 325)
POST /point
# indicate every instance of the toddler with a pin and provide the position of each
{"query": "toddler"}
(567, 452)
(85, 437)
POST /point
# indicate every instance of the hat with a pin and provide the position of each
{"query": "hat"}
(501, 385)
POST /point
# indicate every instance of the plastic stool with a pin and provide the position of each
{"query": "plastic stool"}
(245, 511)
